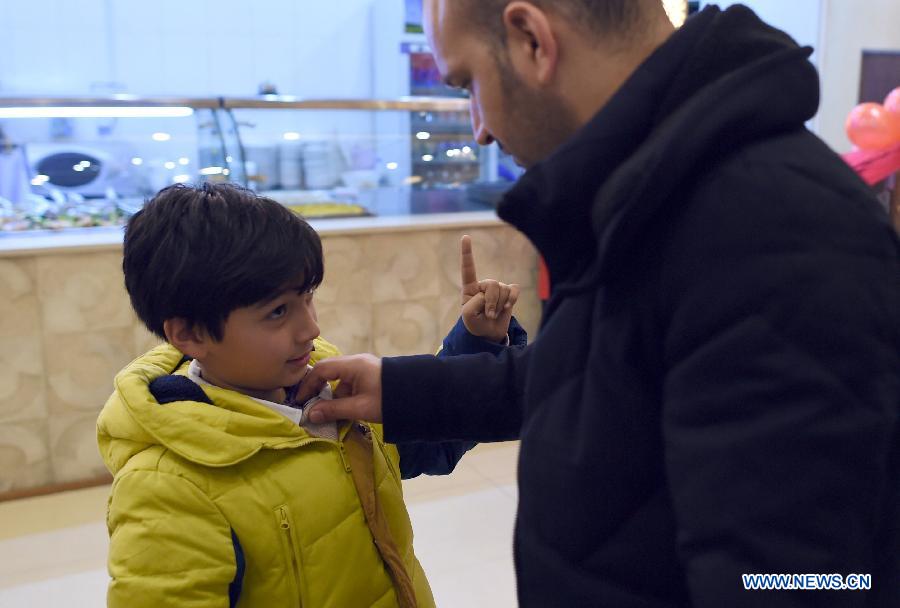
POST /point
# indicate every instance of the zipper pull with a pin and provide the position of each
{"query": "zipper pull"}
(344, 456)
(364, 430)
(285, 522)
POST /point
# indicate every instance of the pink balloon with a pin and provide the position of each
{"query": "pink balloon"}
(892, 102)
(871, 127)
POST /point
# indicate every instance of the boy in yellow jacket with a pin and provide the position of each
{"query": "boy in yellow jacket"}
(224, 494)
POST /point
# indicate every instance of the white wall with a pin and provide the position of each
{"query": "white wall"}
(308, 48)
(850, 27)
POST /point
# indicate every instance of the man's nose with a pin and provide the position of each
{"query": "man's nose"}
(479, 130)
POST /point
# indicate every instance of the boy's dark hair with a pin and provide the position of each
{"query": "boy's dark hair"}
(199, 252)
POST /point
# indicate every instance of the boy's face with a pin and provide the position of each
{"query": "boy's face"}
(264, 347)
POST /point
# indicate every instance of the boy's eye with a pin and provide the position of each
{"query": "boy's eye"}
(278, 312)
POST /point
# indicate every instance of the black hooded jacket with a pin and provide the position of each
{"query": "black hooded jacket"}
(715, 388)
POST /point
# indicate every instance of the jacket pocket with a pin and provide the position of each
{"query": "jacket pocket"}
(290, 551)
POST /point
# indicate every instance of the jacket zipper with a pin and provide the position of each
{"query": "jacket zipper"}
(286, 529)
(344, 458)
(285, 521)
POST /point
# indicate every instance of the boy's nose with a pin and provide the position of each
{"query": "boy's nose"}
(307, 328)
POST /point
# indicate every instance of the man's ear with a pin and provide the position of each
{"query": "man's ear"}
(186, 337)
(531, 42)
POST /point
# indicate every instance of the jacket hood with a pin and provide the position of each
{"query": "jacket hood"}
(232, 429)
(722, 80)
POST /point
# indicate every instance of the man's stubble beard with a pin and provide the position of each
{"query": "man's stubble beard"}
(539, 120)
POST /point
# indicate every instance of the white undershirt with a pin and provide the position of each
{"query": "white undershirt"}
(298, 415)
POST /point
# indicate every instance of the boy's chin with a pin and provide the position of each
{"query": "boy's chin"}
(291, 383)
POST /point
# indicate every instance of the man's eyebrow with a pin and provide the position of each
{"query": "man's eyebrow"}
(450, 81)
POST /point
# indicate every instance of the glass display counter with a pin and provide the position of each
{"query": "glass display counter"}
(83, 163)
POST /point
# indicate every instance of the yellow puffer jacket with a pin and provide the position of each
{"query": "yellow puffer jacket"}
(233, 504)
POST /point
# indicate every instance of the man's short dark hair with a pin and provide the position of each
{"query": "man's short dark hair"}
(600, 17)
(199, 252)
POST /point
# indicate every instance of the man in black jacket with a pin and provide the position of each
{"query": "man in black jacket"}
(715, 388)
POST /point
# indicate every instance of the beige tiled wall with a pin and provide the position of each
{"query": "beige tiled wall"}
(66, 328)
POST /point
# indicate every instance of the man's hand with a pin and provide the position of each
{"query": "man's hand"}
(357, 397)
(487, 305)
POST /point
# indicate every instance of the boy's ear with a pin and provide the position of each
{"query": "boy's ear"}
(186, 337)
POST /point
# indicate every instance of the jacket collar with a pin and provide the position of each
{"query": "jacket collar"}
(700, 94)
(221, 430)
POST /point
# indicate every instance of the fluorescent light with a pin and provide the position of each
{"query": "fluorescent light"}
(160, 136)
(392, 166)
(428, 158)
(169, 165)
(423, 135)
(184, 160)
(292, 136)
(211, 171)
(180, 179)
(96, 112)
(137, 161)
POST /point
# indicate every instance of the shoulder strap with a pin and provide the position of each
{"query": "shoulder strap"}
(360, 451)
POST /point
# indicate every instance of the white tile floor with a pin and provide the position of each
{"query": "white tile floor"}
(53, 548)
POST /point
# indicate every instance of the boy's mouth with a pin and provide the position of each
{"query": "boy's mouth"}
(302, 360)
